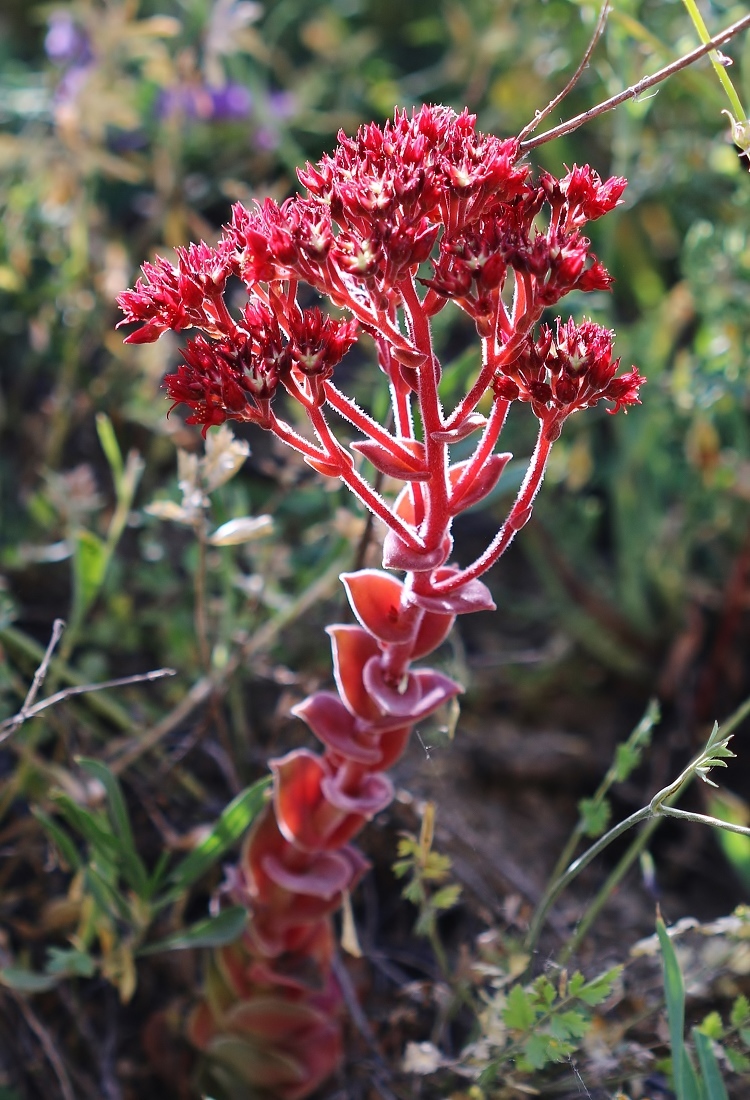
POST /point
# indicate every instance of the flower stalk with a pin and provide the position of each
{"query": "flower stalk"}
(399, 221)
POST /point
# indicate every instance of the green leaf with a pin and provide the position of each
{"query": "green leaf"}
(712, 1026)
(234, 821)
(727, 806)
(538, 1051)
(569, 1025)
(595, 815)
(576, 983)
(715, 1087)
(740, 1011)
(446, 897)
(27, 981)
(686, 1081)
(212, 932)
(110, 446)
(108, 897)
(518, 1013)
(59, 837)
(91, 826)
(627, 760)
(132, 865)
(544, 991)
(89, 567)
(740, 1063)
(69, 961)
(598, 989)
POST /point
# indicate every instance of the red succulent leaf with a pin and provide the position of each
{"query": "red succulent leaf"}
(472, 596)
(397, 555)
(326, 875)
(398, 700)
(472, 423)
(405, 461)
(392, 743)
(307, 817)
(324, 466)
(337, 728)
(434, 628)
(478, 486)
(352, 649)
(435, 690)
(372, 794)
(376, 599)
(404, 506)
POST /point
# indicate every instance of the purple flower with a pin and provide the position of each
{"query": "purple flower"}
(232, 101)
(198, 101)
(65, 42)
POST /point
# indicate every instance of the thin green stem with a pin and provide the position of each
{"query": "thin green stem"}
(611, 883)
(557, 887)
(721, 72)
(714, 753)
(636, 739)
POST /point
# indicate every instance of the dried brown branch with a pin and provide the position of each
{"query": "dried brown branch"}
(641, 86)
(582, 66)
(10, 725)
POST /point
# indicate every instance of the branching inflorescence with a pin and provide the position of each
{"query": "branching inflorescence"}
(423, 190)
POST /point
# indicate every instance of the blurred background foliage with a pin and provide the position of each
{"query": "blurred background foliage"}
(130, 126)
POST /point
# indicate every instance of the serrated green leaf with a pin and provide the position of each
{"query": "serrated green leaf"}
(598, 989)
(744, 1034)
(627, 759)
(569, 1025)
(212, 932)
(712, 1078)
(234, 821)
(595, 815)
(27, 981)
(446, 897)
(518, 1013)
(740, 1063)
(576, 982)
(712, 1026)
(740, 1011)
(538, 1051)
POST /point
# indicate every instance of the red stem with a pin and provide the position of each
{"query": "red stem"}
(436, 453)
(354, 481)
(517, 517)
(485, 447)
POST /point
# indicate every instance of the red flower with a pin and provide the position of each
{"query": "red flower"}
(569, 370)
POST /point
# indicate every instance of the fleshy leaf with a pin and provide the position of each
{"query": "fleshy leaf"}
(336, 727)
(477, 487)
(397, 555)
(407, 463)
(352, 649)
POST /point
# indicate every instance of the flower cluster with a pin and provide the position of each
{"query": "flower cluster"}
(568, 370)
(425, 189)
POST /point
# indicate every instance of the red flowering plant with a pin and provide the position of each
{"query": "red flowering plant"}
(398, 221)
